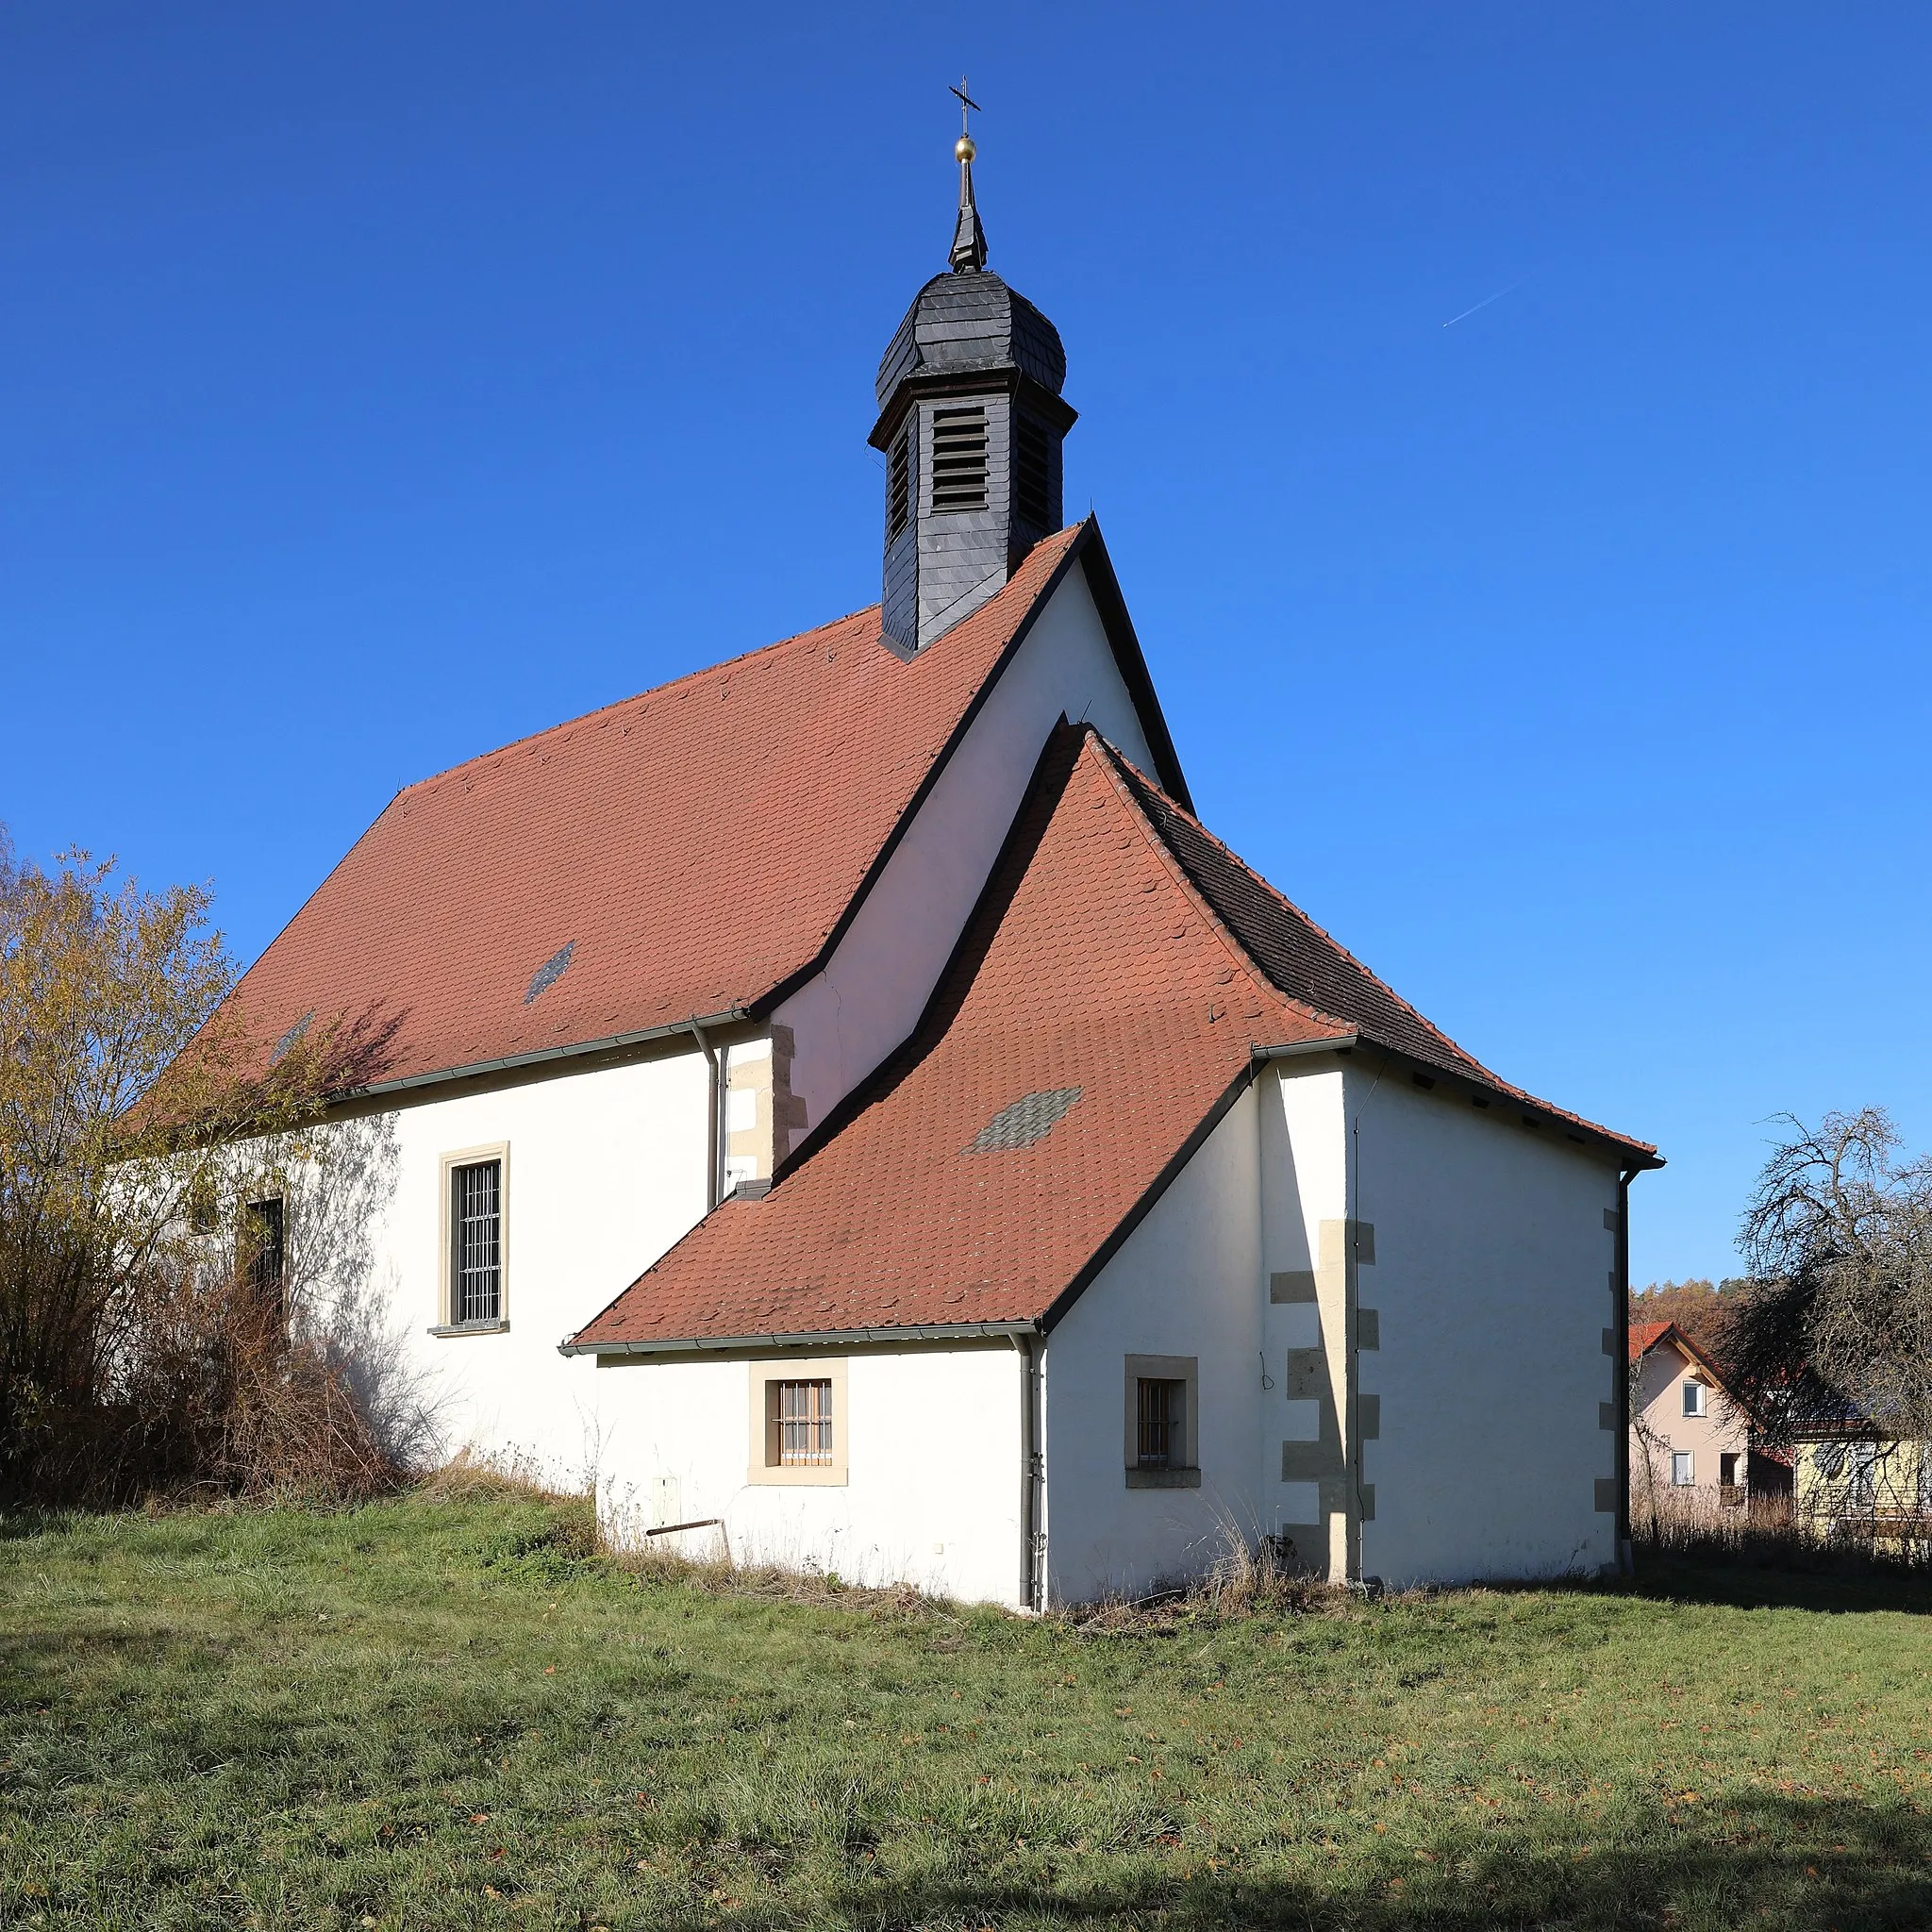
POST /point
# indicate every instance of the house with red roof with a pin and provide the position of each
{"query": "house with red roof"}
(983, 1180)
(1689, 1435)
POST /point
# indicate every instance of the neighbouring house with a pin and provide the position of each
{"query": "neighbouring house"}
(1859, 1478)
(1691, 1438)
(847, 1100)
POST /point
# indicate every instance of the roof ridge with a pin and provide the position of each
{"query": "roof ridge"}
(1269, 885)
(671, 684)
(1166, 854)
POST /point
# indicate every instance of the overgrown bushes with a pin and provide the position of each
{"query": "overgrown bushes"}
(180, 1224)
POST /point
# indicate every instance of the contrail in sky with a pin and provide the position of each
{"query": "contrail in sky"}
(1483, 304)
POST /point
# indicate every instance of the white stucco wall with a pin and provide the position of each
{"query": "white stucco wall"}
(1301, 1130)
(872, 989)
(606, 1169)
(1183, 1283)
(1492, 1280)
(932, 1494)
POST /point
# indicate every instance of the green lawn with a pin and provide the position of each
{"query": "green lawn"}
(433, 1713)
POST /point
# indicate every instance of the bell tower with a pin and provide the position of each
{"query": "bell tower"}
(971, 423)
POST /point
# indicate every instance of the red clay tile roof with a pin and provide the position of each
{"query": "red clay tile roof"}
(1097, 965)
(1644, 1336)
(1304, 962)
(1092, 967)
(691, 848)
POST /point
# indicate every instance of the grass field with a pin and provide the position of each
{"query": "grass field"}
(442, 1713)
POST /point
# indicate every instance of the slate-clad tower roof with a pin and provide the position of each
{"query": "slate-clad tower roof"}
(971, 421)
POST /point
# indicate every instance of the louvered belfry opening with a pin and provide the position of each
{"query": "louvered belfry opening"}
(899, 487)
(1032, 490)
(958, 458)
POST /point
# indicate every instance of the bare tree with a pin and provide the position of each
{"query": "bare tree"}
(1836, 1323)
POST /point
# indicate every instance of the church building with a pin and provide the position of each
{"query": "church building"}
(982, 1179)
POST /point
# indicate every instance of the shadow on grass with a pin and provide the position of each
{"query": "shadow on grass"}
(1744, 1585)
(1771, 1861)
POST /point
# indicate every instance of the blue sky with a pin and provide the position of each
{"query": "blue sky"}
(381, 383)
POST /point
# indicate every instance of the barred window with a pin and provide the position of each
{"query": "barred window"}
(263, 1251)
(1162, 1422)
(958, 458)
(476, 1243)
(802, 1415)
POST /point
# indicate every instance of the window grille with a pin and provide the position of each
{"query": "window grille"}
(899, 485)
(1163, 1424)
(1032, 473)
(476, 1243)
(266, 1255)
(803, 1412)
(958, 458)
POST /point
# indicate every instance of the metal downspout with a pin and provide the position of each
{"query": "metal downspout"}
(1032, 1476)
(714, 1119)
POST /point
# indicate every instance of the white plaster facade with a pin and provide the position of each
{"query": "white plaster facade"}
(870, 994)
(1460, 1428)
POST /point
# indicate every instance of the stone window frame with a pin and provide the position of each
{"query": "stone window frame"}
(1163, 1368)
(763, 1465)
(447, 1327)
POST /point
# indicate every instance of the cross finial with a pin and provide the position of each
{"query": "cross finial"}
(968, 237)
(965, 101)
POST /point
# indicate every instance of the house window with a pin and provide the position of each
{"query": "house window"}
(1163, 1406)
(476, 1193)
(798, 1422)
(1861, 1473)
(802, 1417)
(958, 458)
(1681, 1474)
(1694, 1397)
(263, 1252)
(1727, 1469)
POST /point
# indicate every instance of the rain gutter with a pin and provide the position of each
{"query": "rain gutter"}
(823, 1338)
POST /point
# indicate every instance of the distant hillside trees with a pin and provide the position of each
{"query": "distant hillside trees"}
(158, 1324)
(1697, 1307)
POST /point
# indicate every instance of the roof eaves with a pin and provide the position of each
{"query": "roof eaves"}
(821, 1337)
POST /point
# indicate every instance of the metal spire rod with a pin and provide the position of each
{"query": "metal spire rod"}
(969, 237)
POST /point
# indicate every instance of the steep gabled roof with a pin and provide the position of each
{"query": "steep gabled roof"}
(1095, 1021)
(1305, 963)
(680, 855)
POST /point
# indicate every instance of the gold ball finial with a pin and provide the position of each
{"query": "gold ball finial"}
(964, 149)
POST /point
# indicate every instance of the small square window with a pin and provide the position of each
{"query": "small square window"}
(1681, 1473)
(1694, 1397)
(1162, 1414)
(800, 1421)
(798, 1418)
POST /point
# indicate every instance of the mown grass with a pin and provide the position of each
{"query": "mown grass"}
(445, 1713)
